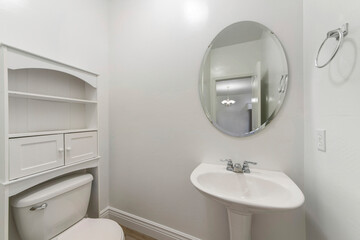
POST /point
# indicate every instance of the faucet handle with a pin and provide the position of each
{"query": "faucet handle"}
(246, 168)
(229, 161)
(229, 166)
(247, 163)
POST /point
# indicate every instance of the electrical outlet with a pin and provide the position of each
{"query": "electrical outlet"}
(321, 140)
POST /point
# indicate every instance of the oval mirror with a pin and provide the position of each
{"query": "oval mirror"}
(244, 78)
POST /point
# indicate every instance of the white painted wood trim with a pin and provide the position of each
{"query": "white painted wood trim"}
(21, 184)
(230, 77)
(105, 213)
(20, 59)
(4, 213)
(32, 134)
(4, 118)
(48, 97)
(145, 226)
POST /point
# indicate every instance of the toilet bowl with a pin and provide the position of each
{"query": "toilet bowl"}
(56, 210)
(93, 229)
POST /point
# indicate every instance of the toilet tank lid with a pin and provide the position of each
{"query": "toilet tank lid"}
(50, 189)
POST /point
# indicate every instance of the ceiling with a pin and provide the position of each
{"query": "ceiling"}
(233, 86)
(238, 33)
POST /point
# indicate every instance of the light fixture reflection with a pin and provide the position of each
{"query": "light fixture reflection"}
(228, 102)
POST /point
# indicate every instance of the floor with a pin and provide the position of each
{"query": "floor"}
(133, 235)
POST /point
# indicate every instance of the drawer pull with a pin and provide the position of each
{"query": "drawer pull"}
(41, 207)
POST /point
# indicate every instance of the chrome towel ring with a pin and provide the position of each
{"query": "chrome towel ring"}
(339, 34)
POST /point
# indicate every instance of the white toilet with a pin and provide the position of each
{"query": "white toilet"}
(56, 210)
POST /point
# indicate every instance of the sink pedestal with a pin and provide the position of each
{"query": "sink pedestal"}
(240, 225)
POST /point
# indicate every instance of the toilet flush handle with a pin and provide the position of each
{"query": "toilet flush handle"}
(41, 207)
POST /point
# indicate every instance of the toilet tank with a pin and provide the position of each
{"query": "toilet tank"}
(46, 210)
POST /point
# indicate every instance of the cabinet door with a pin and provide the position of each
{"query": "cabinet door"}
(31, 155)
(80, 146)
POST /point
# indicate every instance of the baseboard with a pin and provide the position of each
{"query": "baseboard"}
(145, 226)
(105, 213)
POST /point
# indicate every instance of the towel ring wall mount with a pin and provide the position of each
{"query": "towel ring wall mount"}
(339, 34)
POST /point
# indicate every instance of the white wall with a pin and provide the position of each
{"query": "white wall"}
(332, 179)
(159, 132)
(73, 32)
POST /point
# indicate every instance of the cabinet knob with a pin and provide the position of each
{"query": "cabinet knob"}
(61, 149)
(68, 149)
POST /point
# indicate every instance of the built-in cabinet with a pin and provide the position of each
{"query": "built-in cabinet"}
(48, 125)
(80, 146)
(29, 155)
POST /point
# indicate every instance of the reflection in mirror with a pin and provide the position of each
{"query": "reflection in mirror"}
(243, 78)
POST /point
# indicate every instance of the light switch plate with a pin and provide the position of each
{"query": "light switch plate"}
(321, 140)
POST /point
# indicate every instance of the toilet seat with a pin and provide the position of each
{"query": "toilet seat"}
(93, 229)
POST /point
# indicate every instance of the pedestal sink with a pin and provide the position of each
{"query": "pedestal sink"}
(244, 194)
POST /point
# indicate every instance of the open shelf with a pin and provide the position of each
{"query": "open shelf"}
(31, 134)
(48, 97)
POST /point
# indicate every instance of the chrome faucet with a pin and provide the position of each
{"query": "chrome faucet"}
(236, 168)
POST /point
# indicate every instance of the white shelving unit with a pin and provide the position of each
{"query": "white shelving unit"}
(48, 126)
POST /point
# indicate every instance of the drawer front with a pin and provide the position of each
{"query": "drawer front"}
(80, 146)
(31, 155)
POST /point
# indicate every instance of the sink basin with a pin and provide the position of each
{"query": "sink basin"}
(244, 194)
(258, 191)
